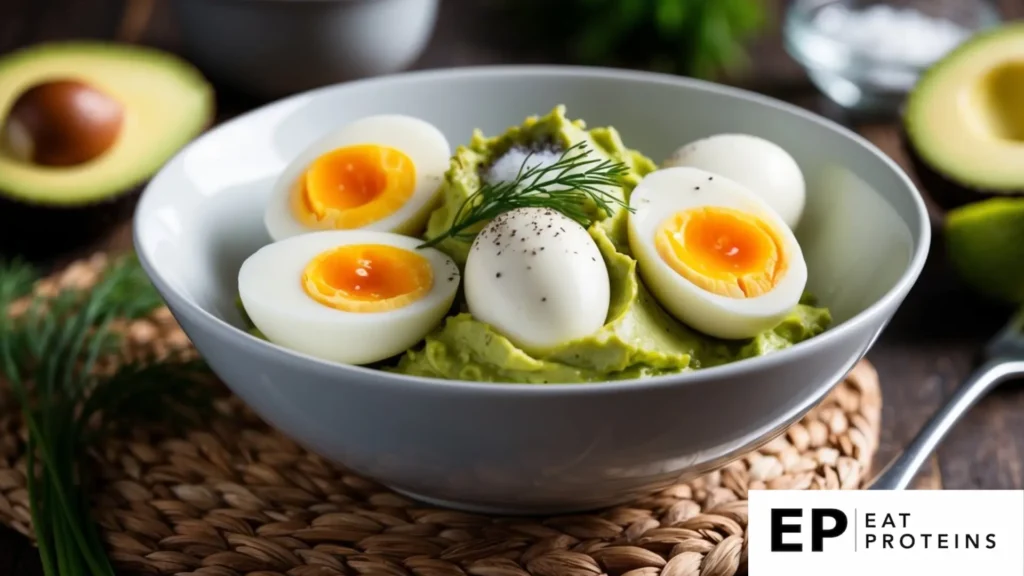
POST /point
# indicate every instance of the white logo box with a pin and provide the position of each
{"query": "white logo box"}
(883, 533)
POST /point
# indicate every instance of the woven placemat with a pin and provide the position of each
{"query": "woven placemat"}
(236, 498)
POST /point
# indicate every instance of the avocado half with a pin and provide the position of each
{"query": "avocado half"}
(165, 103)
(963, 125)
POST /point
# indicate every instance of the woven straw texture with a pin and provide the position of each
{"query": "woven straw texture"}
(235, 498)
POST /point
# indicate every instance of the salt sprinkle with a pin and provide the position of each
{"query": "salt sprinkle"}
(892, 34)
(507, 167)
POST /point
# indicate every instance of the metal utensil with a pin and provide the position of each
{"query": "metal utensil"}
(1004, 360)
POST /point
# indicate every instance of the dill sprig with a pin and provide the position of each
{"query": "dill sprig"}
(49, 355)
(565, 186)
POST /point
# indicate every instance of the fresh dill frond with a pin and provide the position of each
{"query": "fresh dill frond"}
(16, 279)
(49, 354)
(566, 185)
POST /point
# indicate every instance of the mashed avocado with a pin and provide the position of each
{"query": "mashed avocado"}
(639, 338)
(551, 131)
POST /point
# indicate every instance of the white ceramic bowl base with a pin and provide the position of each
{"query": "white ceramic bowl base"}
(516, 448)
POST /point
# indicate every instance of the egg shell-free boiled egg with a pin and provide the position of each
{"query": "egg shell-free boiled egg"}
(713, 253)
(762, 166)
(352, 296)
(377, 173)
(538, 278)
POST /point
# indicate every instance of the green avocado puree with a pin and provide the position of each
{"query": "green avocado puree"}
(639, 339)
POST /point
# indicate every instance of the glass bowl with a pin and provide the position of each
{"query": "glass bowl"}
(867, 55)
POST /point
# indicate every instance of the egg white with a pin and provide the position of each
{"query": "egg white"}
(270, 287)
(663, 193)
(422, 142)
(538, 278)
(762, 166)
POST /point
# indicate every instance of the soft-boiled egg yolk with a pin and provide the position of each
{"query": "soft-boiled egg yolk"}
(714, 253)
(764, 167)
(357, 185)
(381, 173)
(367, 278)
(722, 250)
(350, 296)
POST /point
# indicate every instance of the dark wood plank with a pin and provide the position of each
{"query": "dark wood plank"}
(930, 347)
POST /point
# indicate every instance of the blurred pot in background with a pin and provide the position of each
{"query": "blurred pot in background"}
(272, 48)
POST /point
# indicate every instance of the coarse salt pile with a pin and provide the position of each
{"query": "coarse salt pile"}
(507, 167)
(891, 34)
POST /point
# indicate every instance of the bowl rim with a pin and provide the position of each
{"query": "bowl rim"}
(279, 354)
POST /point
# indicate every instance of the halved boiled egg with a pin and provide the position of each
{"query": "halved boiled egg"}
(378, 173)
(714, 253)
(354, 297)
(751, 162)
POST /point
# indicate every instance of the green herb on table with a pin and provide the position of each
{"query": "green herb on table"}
(54, 355)
(566, 185)
(703, 38)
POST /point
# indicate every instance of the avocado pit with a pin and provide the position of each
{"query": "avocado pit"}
(61, 123)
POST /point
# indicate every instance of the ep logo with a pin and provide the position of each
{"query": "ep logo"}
(824, 523)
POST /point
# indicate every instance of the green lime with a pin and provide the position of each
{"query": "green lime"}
(985, 242)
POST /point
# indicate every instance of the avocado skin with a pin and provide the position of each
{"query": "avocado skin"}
(945, 192)
(39, 232)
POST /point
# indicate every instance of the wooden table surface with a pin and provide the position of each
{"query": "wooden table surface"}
(928, 349)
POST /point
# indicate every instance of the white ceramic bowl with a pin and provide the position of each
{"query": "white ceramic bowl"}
(519, 448)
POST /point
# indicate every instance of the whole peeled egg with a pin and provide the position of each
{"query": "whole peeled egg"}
(538, 278)
(762, 166)
(379, 173)
(348, 296)
(714, 253)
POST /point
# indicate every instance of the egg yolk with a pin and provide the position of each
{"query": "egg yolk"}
(367, 278)
(353, 186)
(723, 250)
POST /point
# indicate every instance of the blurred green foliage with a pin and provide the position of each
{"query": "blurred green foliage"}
(700, 38)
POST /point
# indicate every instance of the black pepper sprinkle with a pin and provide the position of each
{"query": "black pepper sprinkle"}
(594, 259)
(498, 275)
(529, 267)
(544, 299)
(710, 178)
(542, 248)
(534, 253)
(696, 188)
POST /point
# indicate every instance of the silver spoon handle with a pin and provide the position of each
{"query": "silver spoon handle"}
(901, 471)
